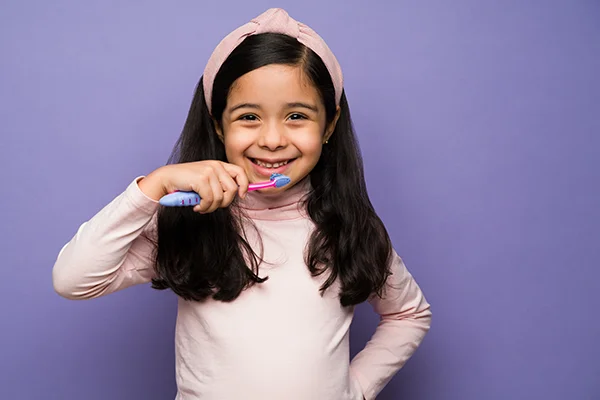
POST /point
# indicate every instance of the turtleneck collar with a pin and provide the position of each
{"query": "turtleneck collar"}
(280, 206)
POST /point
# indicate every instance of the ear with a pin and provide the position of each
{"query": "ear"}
(219, 130)
(331, 127)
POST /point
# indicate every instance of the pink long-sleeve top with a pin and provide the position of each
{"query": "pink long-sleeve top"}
(279, 340)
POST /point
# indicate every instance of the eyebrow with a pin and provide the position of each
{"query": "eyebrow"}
(244, 105)
(302, 105)
(288, 105)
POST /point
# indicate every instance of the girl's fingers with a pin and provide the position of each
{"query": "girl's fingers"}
(240, 177)
(229, 186)
(209, 189)
(217, 191)
(203, 188)
(217, 184)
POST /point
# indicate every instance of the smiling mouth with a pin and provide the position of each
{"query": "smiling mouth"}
(266, 164)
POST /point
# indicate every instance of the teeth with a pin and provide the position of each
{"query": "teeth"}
(269, 165)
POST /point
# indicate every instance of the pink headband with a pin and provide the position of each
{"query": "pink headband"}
(274, 20)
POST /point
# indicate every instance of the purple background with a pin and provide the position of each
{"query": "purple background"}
(479, 123)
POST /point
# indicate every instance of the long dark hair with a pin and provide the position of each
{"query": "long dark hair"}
(198, 256)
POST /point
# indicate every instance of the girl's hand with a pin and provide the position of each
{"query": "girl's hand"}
(216, 182)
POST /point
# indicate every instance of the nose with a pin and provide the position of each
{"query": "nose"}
(272, 137)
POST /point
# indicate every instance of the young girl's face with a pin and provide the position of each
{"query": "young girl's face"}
(274, 122)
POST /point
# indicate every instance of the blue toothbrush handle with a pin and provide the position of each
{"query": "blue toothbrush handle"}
(180, 199)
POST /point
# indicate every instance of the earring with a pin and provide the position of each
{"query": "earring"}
(327, 141)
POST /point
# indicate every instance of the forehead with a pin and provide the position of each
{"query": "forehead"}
(273, 84)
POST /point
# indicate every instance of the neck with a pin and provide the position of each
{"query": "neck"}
(285, 204)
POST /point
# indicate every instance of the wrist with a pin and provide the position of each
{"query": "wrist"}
(152, 185)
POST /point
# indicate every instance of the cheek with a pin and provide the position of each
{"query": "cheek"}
(236, 144)
(310, 146)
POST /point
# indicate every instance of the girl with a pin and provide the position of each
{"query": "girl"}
(266, 281)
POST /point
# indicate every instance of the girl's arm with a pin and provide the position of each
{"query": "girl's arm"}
(405, 319)
(111, 251)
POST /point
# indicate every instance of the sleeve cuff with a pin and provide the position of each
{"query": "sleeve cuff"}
(139, 198)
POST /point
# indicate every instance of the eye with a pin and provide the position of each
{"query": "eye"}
(296, 116)
(248, 117)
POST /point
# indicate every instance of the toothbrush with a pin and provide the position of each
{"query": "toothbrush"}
(183, 199)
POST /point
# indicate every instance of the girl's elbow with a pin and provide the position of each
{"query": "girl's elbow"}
(63, 283)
